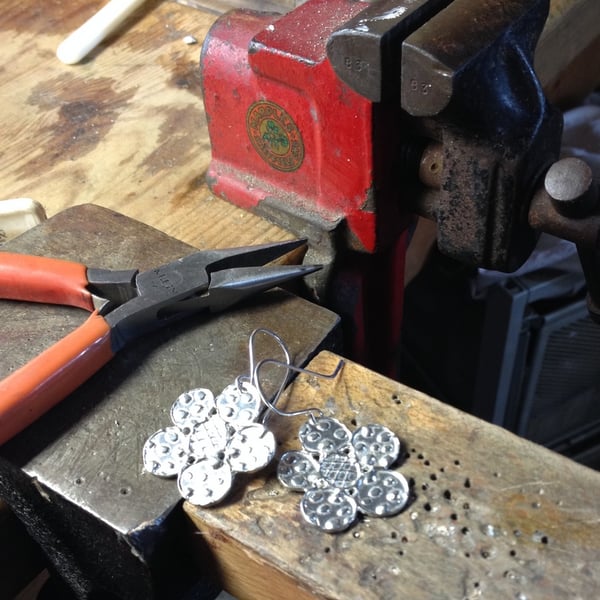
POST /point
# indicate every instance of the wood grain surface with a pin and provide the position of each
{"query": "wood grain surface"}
(491, 515)
(125, 129)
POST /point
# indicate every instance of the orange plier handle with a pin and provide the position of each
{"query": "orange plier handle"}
(33, 389)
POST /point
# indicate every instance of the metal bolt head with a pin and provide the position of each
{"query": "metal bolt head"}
(569, 183)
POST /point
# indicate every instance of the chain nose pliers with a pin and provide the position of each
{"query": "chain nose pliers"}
(124, 305)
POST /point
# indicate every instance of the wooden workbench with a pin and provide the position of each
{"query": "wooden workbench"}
(490, 516)
(126, 130)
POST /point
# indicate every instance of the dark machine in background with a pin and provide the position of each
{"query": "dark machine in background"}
(523, 354)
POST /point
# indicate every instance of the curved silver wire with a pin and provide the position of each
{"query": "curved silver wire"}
(271, 406)
(253, 374)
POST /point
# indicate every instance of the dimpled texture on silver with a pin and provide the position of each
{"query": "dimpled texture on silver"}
(382, 493)
(343, 474)
(250, 448)
(193, 407)
(205, 482)
(324, 435)
(166, 452)
(213, 438)
(375, 446)
(297, 470)
(239, 404)
(329, 509)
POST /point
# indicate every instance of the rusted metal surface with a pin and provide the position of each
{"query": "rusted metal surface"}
(468, 72)
(439, 55)
(567, 207)
(75, 476)
(365, 52)
(491, 515)
(570, 184)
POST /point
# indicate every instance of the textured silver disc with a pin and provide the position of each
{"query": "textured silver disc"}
(193, 407)
(376, 446)
(239, 405)
(340, 470)
(297, 470)
(166, 452)
(382, 493)
(209, 438)
(205, 482)
(250, 448)
(329, 509)
(324, 435)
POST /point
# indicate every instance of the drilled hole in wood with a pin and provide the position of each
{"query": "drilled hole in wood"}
(467, 483)
(448, 494)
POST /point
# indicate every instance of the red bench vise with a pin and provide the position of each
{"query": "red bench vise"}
(342, 119)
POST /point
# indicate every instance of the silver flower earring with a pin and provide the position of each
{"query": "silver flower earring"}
(341, 473)
(212, 439)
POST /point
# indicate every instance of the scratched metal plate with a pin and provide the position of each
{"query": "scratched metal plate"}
(88, 449)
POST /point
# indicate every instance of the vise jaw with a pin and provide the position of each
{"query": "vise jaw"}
(341, 119)
(289, 139)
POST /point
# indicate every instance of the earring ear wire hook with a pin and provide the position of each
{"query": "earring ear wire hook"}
(252, 369)
(271, 406)
(252, 378)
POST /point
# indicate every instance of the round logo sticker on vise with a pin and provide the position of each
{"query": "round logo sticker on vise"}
(275, 136)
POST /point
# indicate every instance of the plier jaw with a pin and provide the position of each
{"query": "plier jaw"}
(210, 280)
(111, 288)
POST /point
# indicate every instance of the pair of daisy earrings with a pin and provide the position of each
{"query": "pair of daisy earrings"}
(212, 438)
